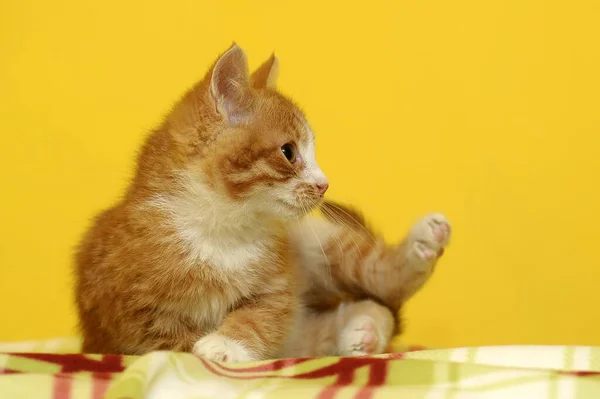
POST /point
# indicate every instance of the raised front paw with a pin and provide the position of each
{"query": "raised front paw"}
(221, 349)
(428, 238)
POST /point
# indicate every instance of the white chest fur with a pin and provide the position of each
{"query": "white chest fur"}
(223, 235)
(213, 230)
(221, 251)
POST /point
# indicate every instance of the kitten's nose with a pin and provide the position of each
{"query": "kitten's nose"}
(322, 187)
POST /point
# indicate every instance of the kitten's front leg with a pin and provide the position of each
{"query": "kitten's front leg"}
(254, 331)
(418, 254)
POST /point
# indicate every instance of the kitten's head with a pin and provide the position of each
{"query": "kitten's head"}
(247, 142)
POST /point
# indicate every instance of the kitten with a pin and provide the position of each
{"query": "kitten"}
(200, 256)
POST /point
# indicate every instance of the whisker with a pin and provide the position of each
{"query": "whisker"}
(350, 216)
(336, 238)
(350, 231)
(320, 246)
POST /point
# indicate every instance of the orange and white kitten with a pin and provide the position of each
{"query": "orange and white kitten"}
(205, 254)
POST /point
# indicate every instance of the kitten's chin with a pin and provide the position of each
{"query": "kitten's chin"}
(296, 211)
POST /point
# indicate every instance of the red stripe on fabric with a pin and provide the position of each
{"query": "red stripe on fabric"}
(275, 365)
(377, 376)
(218, 369)
(280, 364)
(344, 379)
(9, 371)
(208, 364)
(580, 373)
(100, 384)
(71, 363)
(62, 386)
(343, 364)
(396, 356)
(348, 364)
(326, 371)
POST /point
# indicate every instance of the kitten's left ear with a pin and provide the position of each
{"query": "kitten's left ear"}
(229, 86)
(266, 74)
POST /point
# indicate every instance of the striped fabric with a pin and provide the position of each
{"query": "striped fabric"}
(54, 370)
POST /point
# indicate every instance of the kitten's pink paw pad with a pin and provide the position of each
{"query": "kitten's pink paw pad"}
(424, 252)
(369, 342)
(429, 236)
(359, 338)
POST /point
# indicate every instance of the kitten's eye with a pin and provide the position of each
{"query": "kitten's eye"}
(289, 151)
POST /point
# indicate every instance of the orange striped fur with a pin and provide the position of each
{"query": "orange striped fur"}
(210, 250)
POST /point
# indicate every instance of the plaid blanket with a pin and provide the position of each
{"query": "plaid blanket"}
(53, 369)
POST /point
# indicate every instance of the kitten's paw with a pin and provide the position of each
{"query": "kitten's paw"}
(360, 338)
(428, 238)
(221, 349)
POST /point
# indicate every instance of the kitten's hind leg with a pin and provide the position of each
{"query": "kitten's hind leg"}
(349, 329)
(366, 329)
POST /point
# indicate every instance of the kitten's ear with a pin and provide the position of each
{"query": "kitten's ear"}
(229, 85)
(266, 75)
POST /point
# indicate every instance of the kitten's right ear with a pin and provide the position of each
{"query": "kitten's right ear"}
(229, 85)
(266, 74)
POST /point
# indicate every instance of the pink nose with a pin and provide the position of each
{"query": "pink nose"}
(322, 187)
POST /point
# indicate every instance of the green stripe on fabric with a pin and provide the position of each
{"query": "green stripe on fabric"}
(553, 387)
(595, 359)
(26, 365)
(569, 354)
(471, 355)
(587, 388)
(508, 383)
(410, 372)
(437, 354)
(470, 370)
(38, 386)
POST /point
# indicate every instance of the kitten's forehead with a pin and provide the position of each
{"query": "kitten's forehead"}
(281, 117)
(302, 128)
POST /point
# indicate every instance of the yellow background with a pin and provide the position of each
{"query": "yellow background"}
(486, 111)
